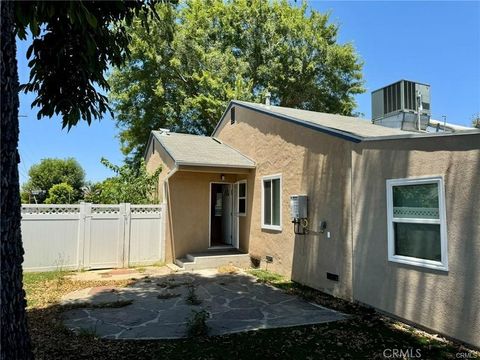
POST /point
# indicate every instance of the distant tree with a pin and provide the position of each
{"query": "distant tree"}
(476, 120)
(74, 43)
(183, 79)
(61, 193)
(130, 185)
(50, 172)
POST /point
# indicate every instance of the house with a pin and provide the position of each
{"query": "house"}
(392, 216)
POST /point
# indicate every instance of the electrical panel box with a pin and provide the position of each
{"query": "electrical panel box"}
(298, 206)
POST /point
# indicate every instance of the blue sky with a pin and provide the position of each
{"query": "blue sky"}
(432, 42)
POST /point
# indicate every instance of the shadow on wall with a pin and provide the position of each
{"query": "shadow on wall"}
(447, 302)
(326, 179)
(317, 165)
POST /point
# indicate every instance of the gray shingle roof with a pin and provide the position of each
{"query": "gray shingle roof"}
(347, 127)
(188, 149)
(347, 124)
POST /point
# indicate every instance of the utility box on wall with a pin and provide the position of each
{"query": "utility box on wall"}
(298, 206)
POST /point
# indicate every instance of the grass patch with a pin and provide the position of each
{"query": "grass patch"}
(41, 286)
(268, 277)
(32, 278)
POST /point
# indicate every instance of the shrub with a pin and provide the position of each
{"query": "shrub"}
(61, 193)
(197, 324)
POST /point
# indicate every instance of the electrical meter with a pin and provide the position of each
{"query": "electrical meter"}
(298, 206)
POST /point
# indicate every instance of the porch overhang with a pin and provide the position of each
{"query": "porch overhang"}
(194, 151)
(215, 169)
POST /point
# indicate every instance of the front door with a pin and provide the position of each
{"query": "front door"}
(221, 215)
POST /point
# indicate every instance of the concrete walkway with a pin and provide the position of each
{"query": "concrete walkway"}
(158, 308)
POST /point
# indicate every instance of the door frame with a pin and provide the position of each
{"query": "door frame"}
(234, 240)
(236, 212)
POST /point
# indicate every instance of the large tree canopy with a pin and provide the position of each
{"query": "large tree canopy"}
(49, 172)
(74, 42)
(182, 74)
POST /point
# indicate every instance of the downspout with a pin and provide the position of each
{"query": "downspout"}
(167, 204)
(352, 221)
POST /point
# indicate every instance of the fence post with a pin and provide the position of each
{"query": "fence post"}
(87, 221)
(163, 229)
(81, 236)
(126, 233)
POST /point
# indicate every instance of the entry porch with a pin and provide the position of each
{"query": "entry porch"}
(208, 218)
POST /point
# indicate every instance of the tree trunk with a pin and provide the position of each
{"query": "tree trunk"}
(15, 342)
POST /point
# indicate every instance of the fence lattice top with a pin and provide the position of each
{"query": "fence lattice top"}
(50, 209)
(101, 209)
(105, 209)
(148, 209)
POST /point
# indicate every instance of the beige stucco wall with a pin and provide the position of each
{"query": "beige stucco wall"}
(188, 200)
(447, 302)
(311, 163)
(190, 210)
(155, 157)
(346, 186)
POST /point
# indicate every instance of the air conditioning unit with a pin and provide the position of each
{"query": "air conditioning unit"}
(396, 105)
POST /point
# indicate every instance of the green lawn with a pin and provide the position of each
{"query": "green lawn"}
(365, 334)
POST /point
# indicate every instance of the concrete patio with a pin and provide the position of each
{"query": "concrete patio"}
(157, 307)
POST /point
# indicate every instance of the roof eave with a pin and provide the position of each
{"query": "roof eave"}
(333, 132)
(189, 163)
(421, 135)
(148, 146)
(163, 146)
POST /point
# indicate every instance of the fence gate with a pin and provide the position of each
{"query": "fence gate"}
(91, 236)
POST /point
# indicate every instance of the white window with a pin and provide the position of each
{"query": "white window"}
(242, 198)
(272, 202)
(417, 233)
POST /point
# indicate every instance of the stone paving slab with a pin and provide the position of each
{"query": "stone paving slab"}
(159, 310)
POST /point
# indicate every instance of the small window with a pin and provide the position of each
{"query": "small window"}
(232, 115)
(242, 198)
(272, 202)
(417, 222)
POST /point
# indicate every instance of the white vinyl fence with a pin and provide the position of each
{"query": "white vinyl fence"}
(91, 236)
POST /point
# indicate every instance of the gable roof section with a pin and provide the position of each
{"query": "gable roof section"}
(346, 127)
(197, 150)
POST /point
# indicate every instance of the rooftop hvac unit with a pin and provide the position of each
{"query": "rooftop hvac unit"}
(395, 105)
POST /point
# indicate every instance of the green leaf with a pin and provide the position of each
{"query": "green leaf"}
(91, 19)
(184, 71)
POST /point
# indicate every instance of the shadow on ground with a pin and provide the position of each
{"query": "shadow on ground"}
(169, 306)
(364, 334)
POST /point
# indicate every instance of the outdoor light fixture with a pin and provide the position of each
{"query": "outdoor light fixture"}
(222, 177)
